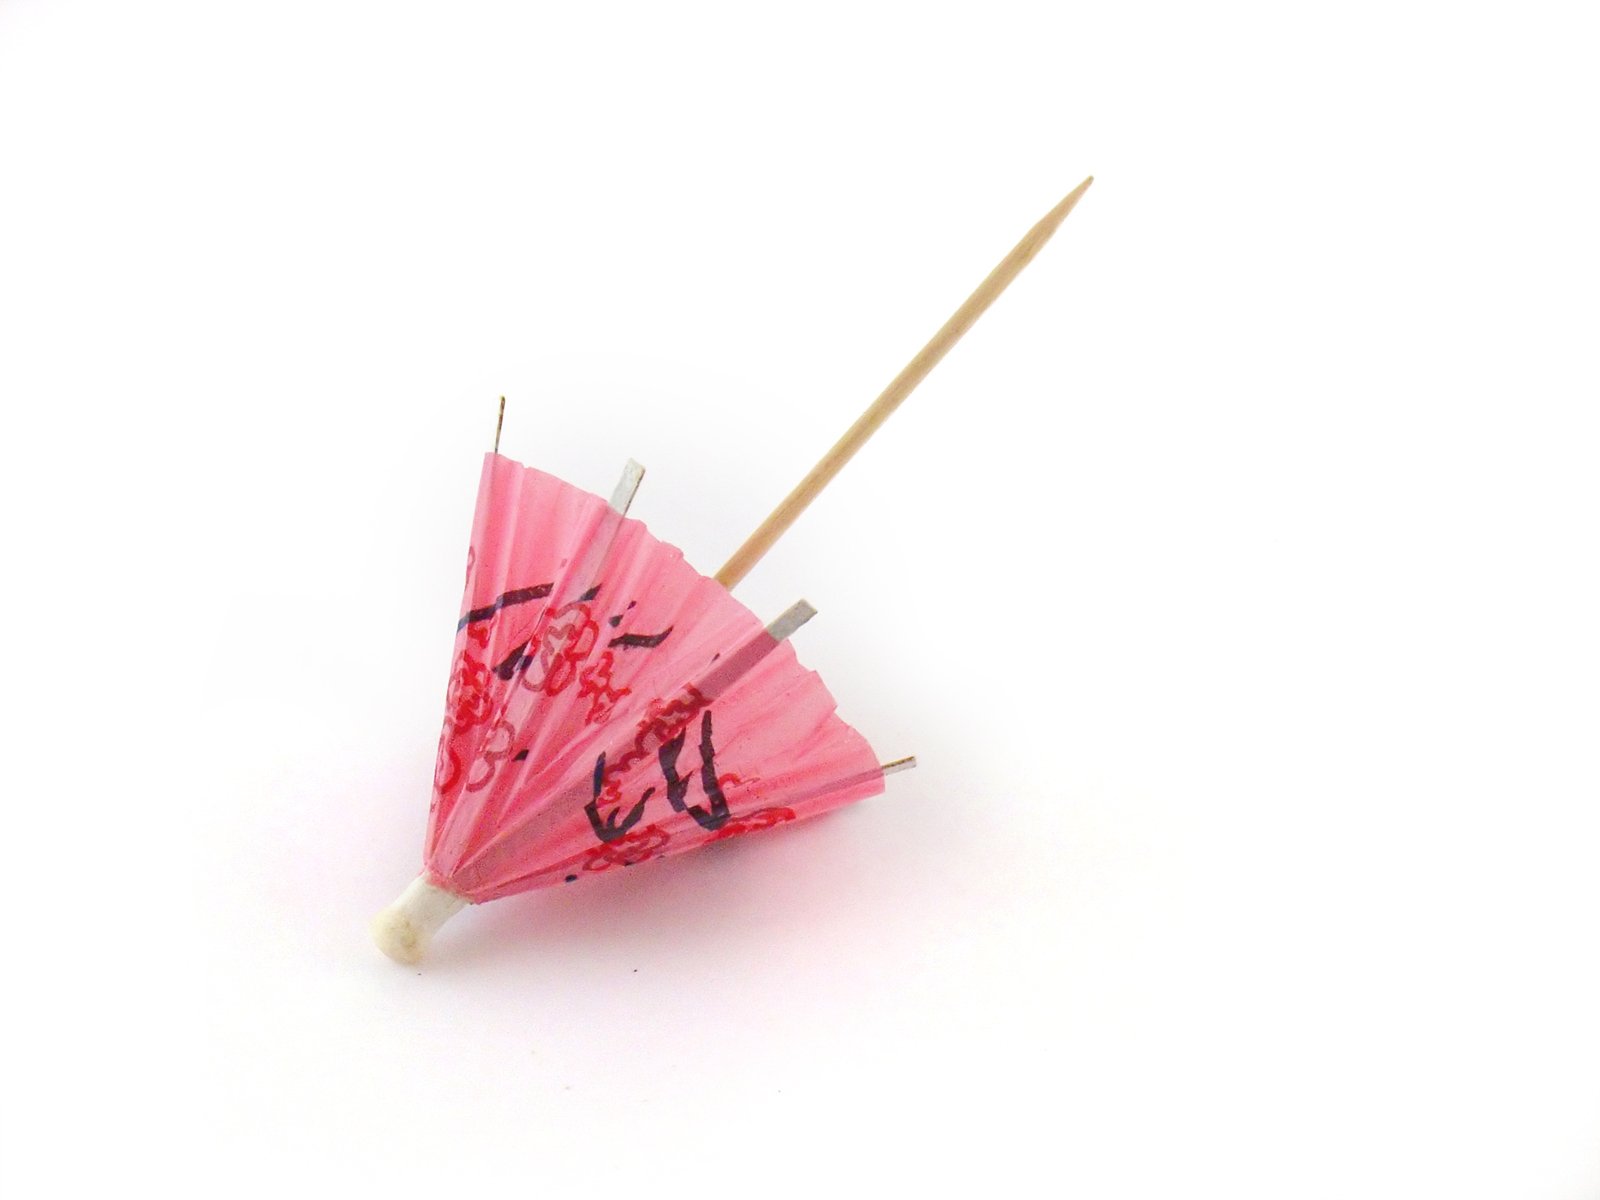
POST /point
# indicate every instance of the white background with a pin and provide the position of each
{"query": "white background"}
(1234, 581)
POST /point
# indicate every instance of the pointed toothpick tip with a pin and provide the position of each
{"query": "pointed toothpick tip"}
(1068, 202)
(901, 386)
(498, 422)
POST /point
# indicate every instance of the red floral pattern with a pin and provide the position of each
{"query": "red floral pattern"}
(467, 700)
(564, 645)
(761, 818)
(595, 685)
(635, 846)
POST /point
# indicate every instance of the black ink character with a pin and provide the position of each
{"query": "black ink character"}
(678, 787)
(608, 828)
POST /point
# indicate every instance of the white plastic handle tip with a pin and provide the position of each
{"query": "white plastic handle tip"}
(404, 929)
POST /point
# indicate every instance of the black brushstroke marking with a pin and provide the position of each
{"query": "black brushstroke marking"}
(517, 660)
(572, 879)
(589, 595)
(678, 786)
(609, 828)
(519, 596)
(614, 621)
(519, 756)
(643, 640)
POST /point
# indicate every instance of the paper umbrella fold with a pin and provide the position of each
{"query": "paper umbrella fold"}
(608, 705)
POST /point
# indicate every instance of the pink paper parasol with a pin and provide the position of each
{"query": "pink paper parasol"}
(609, 705)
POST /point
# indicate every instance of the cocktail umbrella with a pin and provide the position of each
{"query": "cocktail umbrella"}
(609, 705)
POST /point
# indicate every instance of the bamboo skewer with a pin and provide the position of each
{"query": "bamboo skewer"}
(770, 530)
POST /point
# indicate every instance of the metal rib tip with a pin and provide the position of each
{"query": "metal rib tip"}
(796, 615)
(622, 497)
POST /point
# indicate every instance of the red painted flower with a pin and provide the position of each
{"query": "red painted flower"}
(467, 700)
(568, 638)
(446, 767)
(632, 847)
(595, 686)
(761, 818)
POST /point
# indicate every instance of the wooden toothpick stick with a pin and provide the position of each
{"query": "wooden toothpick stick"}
(499, 421)
(770, 530)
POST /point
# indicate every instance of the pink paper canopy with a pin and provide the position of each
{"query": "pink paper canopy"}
(608, 704)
